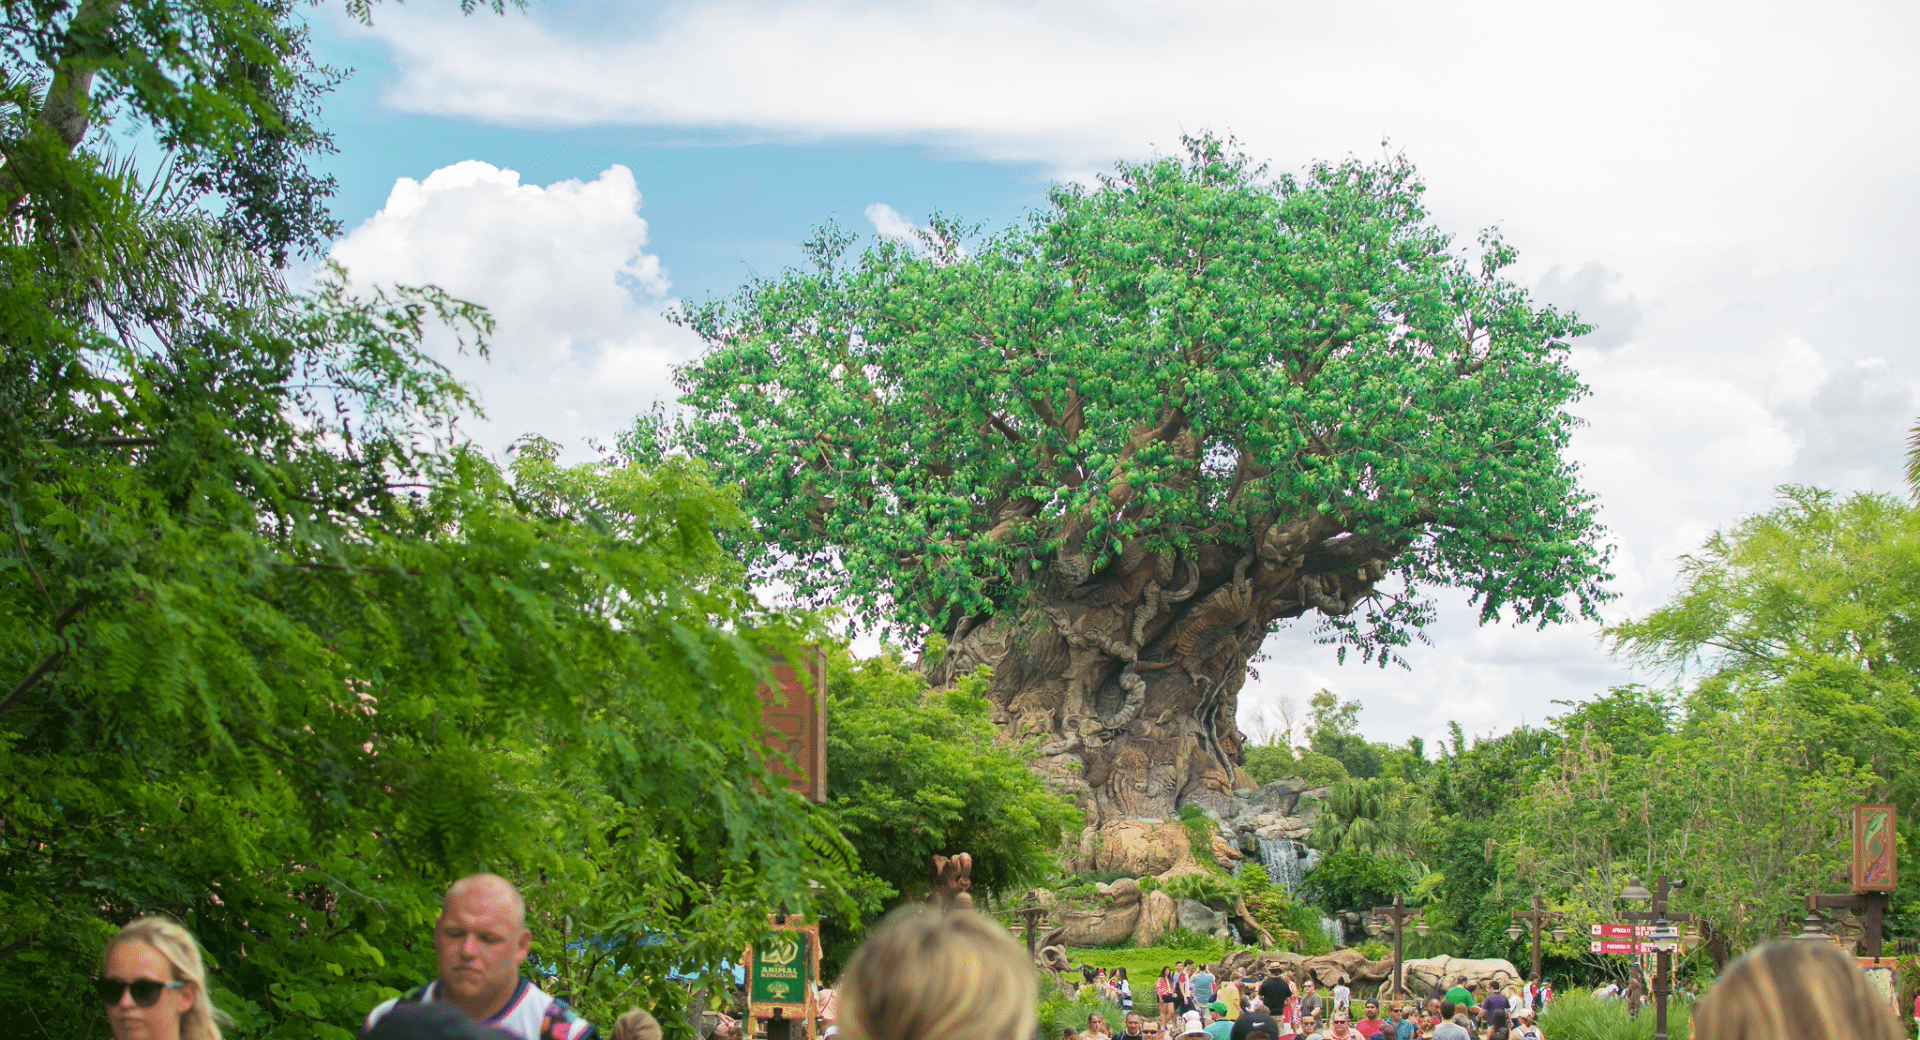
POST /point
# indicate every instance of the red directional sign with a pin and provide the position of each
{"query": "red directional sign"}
(1621, 931)
(1628, 947)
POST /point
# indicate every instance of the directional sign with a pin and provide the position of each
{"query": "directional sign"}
(1617, 947)
(1621, 931)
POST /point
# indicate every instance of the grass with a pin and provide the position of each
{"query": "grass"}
(1143, 965)
(1577, 1016)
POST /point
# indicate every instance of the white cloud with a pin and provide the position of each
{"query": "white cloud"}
(580, 347)
(889, 223)
(1719, 186)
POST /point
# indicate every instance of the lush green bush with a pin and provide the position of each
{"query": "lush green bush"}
(1353, 880)
(1060, 1011)
(1201, 830)
(1578, 1016)
(1375, 950)
(1253, 879)
(1215, 890)
(1270, 762)
(1316, 768)
(1178, 938)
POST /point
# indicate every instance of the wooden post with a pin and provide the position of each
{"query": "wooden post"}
(1398, 914)
(1538, 918)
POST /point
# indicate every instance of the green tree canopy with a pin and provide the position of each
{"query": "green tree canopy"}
(1105, 451)
(1811, 608)
(281, 657)
(914, 774)
(1187, 353)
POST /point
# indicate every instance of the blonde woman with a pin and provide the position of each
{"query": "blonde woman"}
(929, 975)
(154, 984)
(1808, 991)
(636, 1025)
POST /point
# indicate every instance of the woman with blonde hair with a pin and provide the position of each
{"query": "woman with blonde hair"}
(154, 984)
(1808, 991)
(932, 975)
(636, 1025)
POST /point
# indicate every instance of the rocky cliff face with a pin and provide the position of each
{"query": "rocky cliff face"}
(1268, 824)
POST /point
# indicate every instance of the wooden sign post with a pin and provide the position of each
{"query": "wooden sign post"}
(781, 970)
(1874, 873)
(794, 707)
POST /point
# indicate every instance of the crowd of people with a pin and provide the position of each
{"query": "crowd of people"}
(934, 975)
(1193, 1002)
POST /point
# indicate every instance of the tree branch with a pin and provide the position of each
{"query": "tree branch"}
(67, 112)
(60, 622)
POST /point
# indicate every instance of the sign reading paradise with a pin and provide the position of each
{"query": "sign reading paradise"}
(781, 970)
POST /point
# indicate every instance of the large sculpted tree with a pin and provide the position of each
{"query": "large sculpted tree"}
(1108, 451)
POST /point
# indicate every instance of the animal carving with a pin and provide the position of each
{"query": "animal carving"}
(952, 877)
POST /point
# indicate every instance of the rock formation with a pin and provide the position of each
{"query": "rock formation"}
(1266, 823)
(1436, 975)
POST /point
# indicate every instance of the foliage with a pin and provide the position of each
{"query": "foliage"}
(1353, 880)
(1318, 769)
(916, 774)
(1202, 831)
(226, 88)
(1375, 950)
(1576, 1015)
(1060, 1011)
(1754, 827)
(1304, 923)
(1269, 762)
(1383, 816)
(1809, 607)
(1333, 730)
(281, 656)
(1188, 354)
(1253, 878)
(1214, 889)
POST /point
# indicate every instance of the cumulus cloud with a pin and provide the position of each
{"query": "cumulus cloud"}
(580, 346)
(888, 223)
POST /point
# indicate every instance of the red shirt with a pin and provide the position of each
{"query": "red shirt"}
(1367, 1027)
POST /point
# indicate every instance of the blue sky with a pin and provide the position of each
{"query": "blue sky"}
(719, 203)
(1723, 188)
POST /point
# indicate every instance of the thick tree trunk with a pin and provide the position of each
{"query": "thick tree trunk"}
(1131, 677)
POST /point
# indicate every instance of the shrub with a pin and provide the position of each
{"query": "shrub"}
(1253, 879)
(1215, 890)
(1375, 950)
(1179, 938)
(1577, 1016)
(1061, 1010)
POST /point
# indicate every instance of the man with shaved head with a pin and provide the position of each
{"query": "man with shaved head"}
(481, 940)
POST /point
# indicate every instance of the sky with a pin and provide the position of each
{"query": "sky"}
(1724, 190)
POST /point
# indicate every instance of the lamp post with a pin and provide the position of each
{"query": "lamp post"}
(1664, 939)
(1397, 915)
(1537, 918)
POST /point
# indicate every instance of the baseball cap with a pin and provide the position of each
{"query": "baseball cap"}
(1218, 1006)
(1253, 1020)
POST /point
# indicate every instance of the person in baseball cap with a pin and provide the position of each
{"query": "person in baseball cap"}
(1255, 1025)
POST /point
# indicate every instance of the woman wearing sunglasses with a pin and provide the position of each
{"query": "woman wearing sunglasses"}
(155, 984)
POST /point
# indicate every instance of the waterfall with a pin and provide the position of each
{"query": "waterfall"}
(1336, 929)
(1286, 860)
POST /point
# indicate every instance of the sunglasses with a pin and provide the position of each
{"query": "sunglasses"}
(145, 991)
